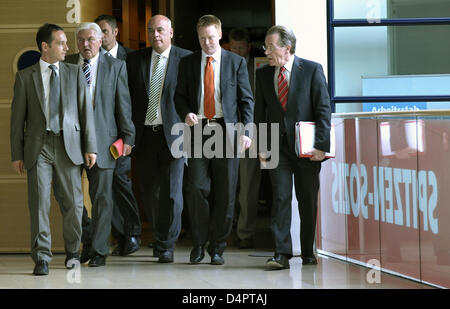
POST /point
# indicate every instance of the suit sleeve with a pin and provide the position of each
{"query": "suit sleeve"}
(322, 109)
(181, 97)
(123, 107)
(245, 95)
(86, 115)
(18, 115)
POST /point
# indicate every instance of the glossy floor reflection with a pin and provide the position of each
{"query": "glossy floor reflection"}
(243, 269)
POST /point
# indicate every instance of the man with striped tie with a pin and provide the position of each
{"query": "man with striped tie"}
(152, 76)
(108, 84)
(289, 90)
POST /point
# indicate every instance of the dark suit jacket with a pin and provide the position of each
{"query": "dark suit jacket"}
(237, 98)
(112, 111)
(122, 52)
(308, 100)
(28, 122)
(139, 64)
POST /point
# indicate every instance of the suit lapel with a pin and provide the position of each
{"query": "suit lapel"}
(196, 70)
(171, 71)
(63, 76)
(224, 65)
(100, 78)
(37, 78)
(297, 77)
(270, 76)
(145, 69)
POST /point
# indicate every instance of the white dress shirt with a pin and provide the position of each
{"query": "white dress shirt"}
(112, 52)
(217, 93)
(165, 58)
(46, 73)
(94, 65)
(287, 73)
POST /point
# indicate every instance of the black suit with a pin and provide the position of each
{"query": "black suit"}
(217, 175)
(308, 100)
(160, 174)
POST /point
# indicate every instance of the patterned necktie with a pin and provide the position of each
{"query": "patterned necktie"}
(87, 70)
(154, 96)
(283, 88)
(54, 99)
(209, 107)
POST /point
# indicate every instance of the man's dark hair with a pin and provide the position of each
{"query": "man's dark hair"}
(111, 20)
(45, 34)
(239, 34)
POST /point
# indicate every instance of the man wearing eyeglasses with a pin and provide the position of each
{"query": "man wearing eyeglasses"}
(108, 84)
(289, 90)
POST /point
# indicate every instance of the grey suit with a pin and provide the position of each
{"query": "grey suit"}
(49, 156)
(112, 113)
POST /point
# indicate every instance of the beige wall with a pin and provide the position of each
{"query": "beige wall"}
(19, 21)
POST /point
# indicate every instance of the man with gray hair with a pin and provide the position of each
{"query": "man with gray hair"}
(107, 81)
(289, 90)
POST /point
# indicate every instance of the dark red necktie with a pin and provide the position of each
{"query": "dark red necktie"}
(209, 107)
(283, 88)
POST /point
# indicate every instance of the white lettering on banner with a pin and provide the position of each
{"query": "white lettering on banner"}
(73, 15)
(396, 194)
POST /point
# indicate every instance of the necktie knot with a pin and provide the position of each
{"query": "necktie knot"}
(210, 59)
(52, 67)
(282, 69)
(87, 61)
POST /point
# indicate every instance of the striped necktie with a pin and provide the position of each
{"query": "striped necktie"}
(154, 96)
(283, 88)
(87, 71)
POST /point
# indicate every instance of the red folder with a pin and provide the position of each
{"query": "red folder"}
(116, 148)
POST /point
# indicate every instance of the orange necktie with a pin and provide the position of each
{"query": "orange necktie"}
(209, 107)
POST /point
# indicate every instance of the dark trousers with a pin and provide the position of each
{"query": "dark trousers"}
(161, 183)
(306, 180)
(211, 216)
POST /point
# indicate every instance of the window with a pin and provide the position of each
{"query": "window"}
(392, 52)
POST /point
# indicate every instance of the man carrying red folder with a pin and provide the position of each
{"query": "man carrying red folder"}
(289, 90)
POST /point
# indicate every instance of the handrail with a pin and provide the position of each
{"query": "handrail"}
(429, 112)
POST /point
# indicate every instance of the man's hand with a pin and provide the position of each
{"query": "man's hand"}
(191, 119)
(89, 159)
(246, 142)
(317, 155)
(126, 150)
(18, 166)
(263, 158)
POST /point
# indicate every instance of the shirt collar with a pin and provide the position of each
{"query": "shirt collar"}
(289, 64)
(216, 56)
(93, 61)
(113, 51)
(165, 53)
(44, 65)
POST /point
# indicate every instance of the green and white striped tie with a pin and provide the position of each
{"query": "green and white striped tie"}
(156, 82)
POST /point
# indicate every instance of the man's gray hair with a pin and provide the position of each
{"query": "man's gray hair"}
(90, 26)
(287, 36)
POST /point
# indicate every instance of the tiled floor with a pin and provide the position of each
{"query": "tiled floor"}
(243, 269)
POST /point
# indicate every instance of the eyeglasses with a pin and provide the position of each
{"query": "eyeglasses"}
(89, 40)
(270, 48)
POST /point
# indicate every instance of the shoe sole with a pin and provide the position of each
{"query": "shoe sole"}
(217, 263)
(275, 265)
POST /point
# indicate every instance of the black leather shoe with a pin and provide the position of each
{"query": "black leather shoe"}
(309, 260)
(197, 254)
(72, 260)
(217, 259)
(97, 260)
(85, 254)
(165, 256)
(132, 244)
(119, 248)
(279, 261)
(41, 268)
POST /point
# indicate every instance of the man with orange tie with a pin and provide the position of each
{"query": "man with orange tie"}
(213, 90)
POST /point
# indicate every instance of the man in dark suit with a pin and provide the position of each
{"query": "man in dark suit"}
(213, 90)
(289, 90)
(108, 84)
(126, 222)
(51, 127)
(152, 76)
